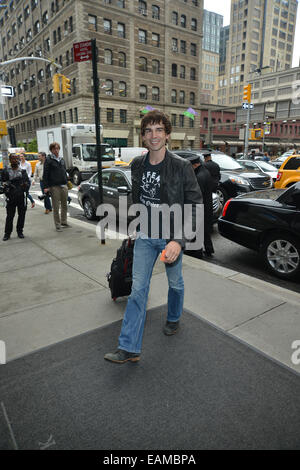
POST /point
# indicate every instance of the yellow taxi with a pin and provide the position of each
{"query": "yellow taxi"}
(289, 172)
(31, 157)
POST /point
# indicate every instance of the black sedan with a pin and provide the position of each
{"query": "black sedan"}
(235, 179)
(115, 182)
(268, 222)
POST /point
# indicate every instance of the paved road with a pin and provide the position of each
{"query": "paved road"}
(227, 253)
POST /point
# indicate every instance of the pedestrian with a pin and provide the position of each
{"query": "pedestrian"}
(25, 165)
(158, 177)
(252, 155)
(214, 170)
(266, 157)
(206, 184)
(55, 182)
(38, 177)
(15, 183)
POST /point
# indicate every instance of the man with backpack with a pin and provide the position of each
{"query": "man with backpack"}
(159, 177)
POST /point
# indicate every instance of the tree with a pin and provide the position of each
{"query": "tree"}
(32, 146)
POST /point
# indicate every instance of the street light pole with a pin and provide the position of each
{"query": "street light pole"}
(4, 140)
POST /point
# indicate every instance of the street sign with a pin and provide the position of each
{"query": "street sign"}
(82, 51)
(247, 105)
(7, 90)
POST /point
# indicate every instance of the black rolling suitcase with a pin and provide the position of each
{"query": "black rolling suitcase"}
(120, 276)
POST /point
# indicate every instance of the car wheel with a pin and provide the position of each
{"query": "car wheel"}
(223, 196)
(76, 177)
(281, 254)
(88, 209)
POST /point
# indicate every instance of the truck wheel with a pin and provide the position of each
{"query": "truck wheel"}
(89, 210)
(76, 177)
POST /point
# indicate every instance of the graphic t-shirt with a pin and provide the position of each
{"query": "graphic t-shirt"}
(150, 196)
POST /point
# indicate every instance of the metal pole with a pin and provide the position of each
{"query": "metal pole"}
(4, 140)
(97, 122)
(247, 132)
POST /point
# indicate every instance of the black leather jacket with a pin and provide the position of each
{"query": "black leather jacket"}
(55, 173)
(178, 184)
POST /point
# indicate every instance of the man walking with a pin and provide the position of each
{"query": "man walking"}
(16, 184)
(159, 177)
(25, 165)
(55, 181)
(205, 182)
(38, 177)
(214, 170)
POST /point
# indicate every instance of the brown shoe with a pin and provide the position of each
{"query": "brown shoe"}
(47, 211)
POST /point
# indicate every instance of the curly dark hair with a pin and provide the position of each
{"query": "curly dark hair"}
(156, 117)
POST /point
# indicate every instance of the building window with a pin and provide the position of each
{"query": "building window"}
(183, 47)
(34, 103)
(155, 93)
(110, 115)
(50, 96)
(26, 12)
(109, 87)
(92, 23)
(121, 3)
(29, 35)
(54, 38)
(193, 73)
(143, 92)
(122, 59)
(173, 119)
(42, 99)
(181, 120)
(71, 24)
(183, 21)
(182, 71)
(155, 66)
(121, 30)
(193, 24)
(193, 49)
(122, 89)
(192, 97)
(123, 116)
(107, 26)
(174, 18)
(181, 97)
(155, 12)
(142, 36)
(155, 40)
(174, 70)
(108, 56)
(45, 18)
(174, 45)
(58, 34)
(142, 8)
(173, 96)
(41, 75)
(143, 64)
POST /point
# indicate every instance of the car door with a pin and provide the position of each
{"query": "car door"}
(117, 178)
(93, 191)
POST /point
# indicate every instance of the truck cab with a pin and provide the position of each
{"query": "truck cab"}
(84, 160)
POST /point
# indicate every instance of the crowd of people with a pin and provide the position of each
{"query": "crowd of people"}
(50, 172)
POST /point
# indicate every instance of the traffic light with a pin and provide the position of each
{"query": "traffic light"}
(247, 93)
(66, 85)
(56, 84)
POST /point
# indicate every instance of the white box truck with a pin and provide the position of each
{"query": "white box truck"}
(125, 154)
(78, 148)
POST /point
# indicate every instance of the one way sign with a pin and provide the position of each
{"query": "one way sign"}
(247, 105)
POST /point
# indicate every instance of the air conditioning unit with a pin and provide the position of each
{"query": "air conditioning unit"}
(174, 48)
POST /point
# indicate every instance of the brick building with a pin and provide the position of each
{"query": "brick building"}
(149, 54)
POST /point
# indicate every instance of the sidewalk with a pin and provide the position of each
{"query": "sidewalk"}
(53, 287)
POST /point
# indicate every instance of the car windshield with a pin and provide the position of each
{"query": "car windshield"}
(225, 162)
(89, 153)
(128, 174)
(266, 166)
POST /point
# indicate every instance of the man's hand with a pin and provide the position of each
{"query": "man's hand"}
(173, 250)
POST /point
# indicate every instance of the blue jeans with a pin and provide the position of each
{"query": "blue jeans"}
(146, 251)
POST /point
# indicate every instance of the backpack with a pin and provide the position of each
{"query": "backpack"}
(120, 276)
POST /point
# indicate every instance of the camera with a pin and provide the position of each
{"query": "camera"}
(41, 198)
(4, 187)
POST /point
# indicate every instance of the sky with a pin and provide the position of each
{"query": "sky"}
(223, 8)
